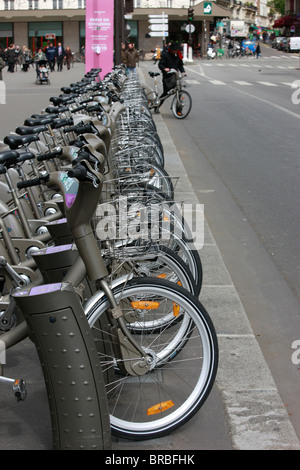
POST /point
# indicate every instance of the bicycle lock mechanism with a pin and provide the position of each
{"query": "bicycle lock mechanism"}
(73, 376)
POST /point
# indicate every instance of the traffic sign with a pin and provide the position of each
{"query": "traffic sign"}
(207, 9)
(158, 20)
(159, 34)
(190, 28)
(158, 16)
(158, 27)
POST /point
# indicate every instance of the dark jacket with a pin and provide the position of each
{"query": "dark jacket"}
(2, 65)
(51, 53)
(171, 61)
(62, 52)
(10, 56)
(131, 57)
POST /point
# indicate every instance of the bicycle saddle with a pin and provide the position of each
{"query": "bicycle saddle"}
(28, 130)
(37, 122)
(57, 101)
(16, 141)
(9, 158)
(154, 74)
(55, 110)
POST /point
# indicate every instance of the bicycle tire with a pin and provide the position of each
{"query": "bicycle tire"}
(145, 407)
(157, 261)
(182, 109)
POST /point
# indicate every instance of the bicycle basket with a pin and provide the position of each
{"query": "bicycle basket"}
(170, 81)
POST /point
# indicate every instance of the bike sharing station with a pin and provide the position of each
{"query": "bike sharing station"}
(90, 294)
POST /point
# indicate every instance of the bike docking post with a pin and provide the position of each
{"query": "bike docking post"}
(73, 375)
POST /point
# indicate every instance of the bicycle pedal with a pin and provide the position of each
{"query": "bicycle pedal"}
(18, 387)
(19, 390)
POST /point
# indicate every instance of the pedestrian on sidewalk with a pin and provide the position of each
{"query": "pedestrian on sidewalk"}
(258, 51)
(68, 57)
(60, 57)
(11, 58)
(26, 58)
(17, 57)
(51, 56)
(2, 65)
(157, 54)
(131, 58)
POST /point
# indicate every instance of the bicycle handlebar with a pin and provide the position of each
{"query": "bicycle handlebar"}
(49, 156)
(33, 182)
(79, 172)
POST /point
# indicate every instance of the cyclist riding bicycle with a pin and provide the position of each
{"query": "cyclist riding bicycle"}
(171, 59)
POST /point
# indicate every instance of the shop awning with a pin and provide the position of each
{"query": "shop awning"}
(287, 21)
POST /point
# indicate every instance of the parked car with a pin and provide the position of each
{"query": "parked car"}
(275, 42)
(282, 44)
(248, 45)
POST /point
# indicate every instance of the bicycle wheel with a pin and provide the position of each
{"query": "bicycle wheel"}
(155, 261)
(181, 104)
(184, 358)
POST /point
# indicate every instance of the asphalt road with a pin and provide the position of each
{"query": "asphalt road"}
(240, 147)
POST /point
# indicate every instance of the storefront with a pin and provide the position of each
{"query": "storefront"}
(35, 28)
(40, 34)
(6, 34)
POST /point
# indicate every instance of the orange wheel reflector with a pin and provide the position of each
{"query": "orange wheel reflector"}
(162, 276)
(145, 305)
(160, 407)
(176, 309)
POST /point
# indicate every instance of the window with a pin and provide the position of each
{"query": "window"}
(57, 4)
(9, 4)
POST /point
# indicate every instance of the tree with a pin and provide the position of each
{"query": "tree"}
(277, 5)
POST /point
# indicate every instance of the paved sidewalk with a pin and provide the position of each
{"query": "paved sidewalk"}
(244, 410)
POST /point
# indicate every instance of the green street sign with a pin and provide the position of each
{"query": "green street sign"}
(207, 8)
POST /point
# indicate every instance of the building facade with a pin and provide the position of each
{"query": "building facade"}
(35, 22)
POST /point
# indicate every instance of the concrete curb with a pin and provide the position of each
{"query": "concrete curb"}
(257, 417)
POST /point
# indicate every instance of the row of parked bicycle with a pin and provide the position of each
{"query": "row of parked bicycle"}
(92, 241)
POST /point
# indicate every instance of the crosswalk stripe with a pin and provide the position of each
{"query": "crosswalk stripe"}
(217, 82)
(241, 82)
(267, 83)
(192, 82)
